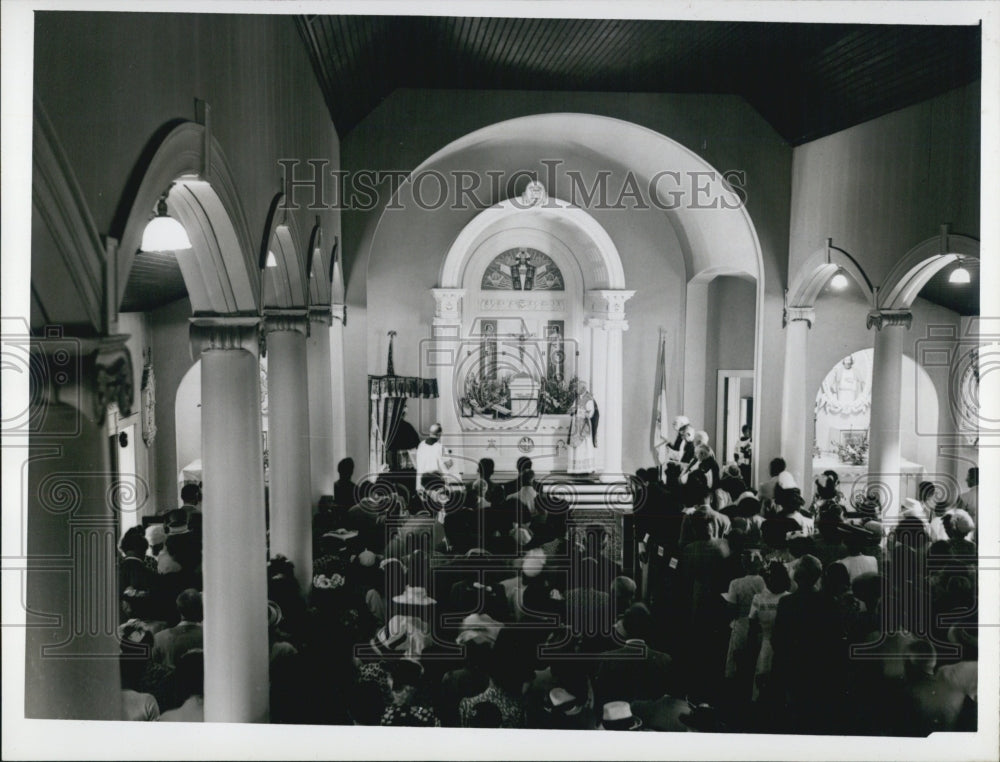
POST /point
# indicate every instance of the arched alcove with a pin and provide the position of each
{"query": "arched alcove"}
(514, 329)
(663, 246)
(842, 414)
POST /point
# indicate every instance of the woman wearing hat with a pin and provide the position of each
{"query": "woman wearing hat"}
(617, 715)
(406, 706)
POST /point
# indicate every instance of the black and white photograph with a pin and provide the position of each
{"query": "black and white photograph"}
(404, 380)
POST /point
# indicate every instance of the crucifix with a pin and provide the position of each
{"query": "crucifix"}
(521, 338)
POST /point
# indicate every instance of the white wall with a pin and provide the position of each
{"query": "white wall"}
(732, 308)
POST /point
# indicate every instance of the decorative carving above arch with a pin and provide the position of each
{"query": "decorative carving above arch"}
(523, 269)
(599, 259)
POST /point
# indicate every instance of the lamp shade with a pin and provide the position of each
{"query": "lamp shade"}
(164, 234)
(960, 276)
(839, 281)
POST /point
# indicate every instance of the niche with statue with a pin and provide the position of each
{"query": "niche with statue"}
(843, 411)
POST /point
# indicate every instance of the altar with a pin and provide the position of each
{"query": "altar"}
(854, 478)
(526, 323)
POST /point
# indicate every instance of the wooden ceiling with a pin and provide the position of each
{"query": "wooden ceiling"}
(806, 80)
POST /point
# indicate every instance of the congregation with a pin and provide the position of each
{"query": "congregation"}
(501, 605)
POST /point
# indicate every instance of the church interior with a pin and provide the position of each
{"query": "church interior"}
(539, 373)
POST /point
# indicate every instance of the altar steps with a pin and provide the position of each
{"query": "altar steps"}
(613, 496)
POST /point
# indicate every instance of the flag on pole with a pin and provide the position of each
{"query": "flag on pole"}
(660, 432)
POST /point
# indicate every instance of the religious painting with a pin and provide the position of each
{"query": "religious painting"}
(523, 269)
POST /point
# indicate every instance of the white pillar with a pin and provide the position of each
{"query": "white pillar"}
(606, 317)
(234, 549)
(288, 442)
(795, 406)
(884, 460)
(322, 466)
(338, 394)
(443, 356)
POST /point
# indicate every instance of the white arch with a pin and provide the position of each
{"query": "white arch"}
(921, 263)
(318, 269)
(220, 269)
(719, 239)
(817, 270)
(606, 265)
(287, 285)
(712, 235)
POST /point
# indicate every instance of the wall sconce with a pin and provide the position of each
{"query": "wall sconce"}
(163, 232)
(839, 281)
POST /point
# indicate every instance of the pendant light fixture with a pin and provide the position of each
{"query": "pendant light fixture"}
(960, 276)
(163, 232)
(839, 281)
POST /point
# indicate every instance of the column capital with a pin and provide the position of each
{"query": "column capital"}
(321, 315)
(339, 312)
(86, 374)
(883, 318)
(225, 333)
(448, 303)
(296, 320)
(792, 314)
(607, 304)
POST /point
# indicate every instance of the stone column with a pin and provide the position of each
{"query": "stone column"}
(338, 396)
(606, 318)
(234, 546)
(443, 358)
(322, 465)
(884, 459)
(71, 643)
(290, 500)
(795, 403)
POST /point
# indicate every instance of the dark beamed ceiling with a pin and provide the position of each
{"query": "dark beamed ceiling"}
(806, 80)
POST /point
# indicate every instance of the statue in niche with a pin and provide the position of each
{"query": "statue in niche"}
(843, 403)
(582, 439)
(847, 384)
(845, 390)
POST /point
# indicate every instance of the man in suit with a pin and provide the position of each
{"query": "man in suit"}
(512, 487)
(634, 671)
(171, 644)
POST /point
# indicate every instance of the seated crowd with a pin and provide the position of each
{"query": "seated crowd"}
(497, 605)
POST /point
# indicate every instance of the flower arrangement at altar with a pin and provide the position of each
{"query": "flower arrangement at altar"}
(323, 582)
(486, 396)
(853, 450)
(556, 397)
